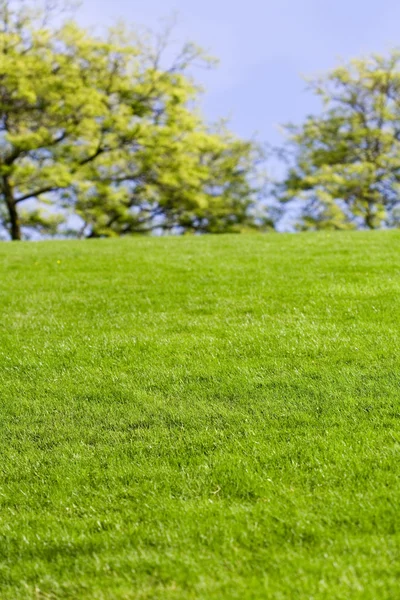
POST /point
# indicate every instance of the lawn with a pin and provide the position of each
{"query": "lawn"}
(201, 418)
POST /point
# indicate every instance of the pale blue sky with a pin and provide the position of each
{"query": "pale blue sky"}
(264, 48)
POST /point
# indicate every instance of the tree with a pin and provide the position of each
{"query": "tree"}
(100, 129)
(345, 163)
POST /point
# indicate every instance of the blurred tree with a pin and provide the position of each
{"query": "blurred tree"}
(99, 128)
(345, 163)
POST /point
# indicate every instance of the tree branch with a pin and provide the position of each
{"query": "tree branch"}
(36, 193)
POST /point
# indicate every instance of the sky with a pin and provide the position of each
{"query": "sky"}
(265, 49)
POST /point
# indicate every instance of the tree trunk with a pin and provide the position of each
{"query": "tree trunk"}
(369, 221)
(369, 216)
(15, 228)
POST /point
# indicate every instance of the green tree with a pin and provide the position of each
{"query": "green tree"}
(345, 162)
(101, 129)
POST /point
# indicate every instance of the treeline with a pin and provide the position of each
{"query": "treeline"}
(100, 137)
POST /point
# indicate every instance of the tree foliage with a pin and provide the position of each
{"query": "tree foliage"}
(99, 128)
(346, 162)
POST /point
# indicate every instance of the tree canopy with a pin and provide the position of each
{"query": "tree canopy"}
(345, 162)
(99, 129)
(100, 135)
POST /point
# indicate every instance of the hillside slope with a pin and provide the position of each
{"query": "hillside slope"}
(201, 418)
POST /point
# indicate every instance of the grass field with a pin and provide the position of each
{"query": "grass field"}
(204, 418)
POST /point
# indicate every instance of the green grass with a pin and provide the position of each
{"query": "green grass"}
(201, 418)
